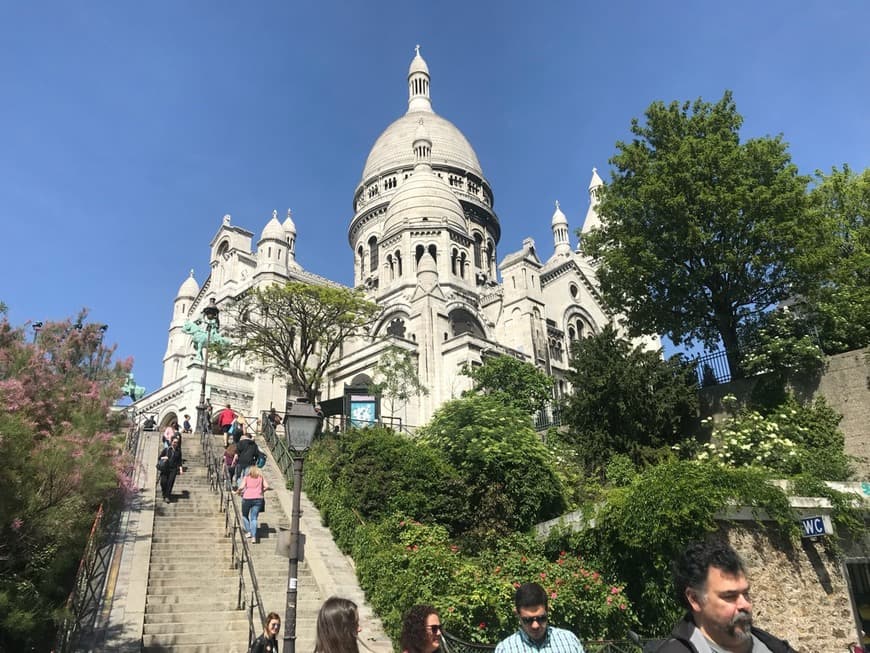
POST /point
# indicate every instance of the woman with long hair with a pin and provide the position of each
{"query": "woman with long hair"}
(421, 630)
(252, 487)
(268, 641)
(337, 627)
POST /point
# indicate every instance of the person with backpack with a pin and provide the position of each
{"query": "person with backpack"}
(248, 453)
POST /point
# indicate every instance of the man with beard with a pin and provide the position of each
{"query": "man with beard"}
(710, 580)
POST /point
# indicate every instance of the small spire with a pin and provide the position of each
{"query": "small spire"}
(557, 204)
(417, 50)
(227, 219)
(191, 273)
(275, 214)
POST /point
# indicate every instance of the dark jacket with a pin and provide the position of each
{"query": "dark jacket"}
(682, 633)
(264, 644)
(248, 452)
(173, 461)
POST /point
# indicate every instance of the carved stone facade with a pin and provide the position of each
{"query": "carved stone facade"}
(423, 241)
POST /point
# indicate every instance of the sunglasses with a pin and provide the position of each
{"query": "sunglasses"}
(275, 626)
(540, 618)
(435, 628)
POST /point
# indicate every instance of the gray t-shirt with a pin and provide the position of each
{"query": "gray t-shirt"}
(757, 646)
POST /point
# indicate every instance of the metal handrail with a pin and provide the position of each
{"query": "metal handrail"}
(218, 479)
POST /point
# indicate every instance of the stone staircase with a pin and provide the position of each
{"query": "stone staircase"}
(191, 603)
(192, 586)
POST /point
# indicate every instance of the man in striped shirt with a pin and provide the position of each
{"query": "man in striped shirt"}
(534, 636)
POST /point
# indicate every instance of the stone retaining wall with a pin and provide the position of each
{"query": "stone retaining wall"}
(799, 592)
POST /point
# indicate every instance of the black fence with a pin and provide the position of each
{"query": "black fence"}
(712, 369)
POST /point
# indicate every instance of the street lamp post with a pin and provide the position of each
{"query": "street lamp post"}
(212, 323)
(300, 425)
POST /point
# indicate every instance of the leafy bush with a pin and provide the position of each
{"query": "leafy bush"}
(626, 400)
(512, 381)
(642, 527)
(792, 439)
(506, 471)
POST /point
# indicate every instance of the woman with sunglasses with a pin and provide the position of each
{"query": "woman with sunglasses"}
(337, 627)
(421, 630)
(268, 641)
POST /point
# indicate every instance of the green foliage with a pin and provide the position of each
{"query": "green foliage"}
(792, 439)
(626, 400)
(296, 329)
(699, 229)
(376, 472)
(642, 527)
(512, 381)
(780, 342)
(620, 470)
(506, 470)
(397, 379)
(837, 301)
(402, 562)
(61, 460)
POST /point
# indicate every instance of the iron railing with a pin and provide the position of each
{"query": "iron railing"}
(548, 416)
(220, 482)
(83, 604)
(712, 369)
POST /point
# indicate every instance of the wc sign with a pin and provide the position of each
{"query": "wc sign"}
(816, 526)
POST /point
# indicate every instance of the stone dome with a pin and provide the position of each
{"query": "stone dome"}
(190, 288)
(424, 198)
(273, 230)
(393, 148)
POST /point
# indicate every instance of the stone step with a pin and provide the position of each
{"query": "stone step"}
(211, 625)
(171, 642)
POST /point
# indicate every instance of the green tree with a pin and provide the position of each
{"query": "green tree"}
(837, 304)
(511, 381)
(507, 472)
(61, 460)
(699, 230)
(296, 329)
(397, 379)
(626, 400)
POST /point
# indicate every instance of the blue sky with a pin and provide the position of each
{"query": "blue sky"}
(127, 130)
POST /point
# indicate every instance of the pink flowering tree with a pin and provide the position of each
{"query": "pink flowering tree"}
(62, 455)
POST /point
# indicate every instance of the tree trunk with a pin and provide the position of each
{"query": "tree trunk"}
(728, 333)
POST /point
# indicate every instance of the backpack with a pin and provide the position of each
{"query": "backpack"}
(261, 459)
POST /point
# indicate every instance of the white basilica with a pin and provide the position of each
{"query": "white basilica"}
(424, 238)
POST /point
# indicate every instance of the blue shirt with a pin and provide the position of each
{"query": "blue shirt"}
(557, 640)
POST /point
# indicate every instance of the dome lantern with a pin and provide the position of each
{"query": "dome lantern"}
(418, 84)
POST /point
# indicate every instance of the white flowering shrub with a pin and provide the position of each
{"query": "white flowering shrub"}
(791, 439)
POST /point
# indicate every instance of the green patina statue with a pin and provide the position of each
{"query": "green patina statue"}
(200, 336)
(130, 389)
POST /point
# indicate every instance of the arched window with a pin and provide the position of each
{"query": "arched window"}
(418, 254)
(462, 321)
(462, 261)
(433, 250)
(398, 264)
(361, 259)
(478, 245)
(373, 254)
(223, 248)
(391, 266)
(454, 257)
